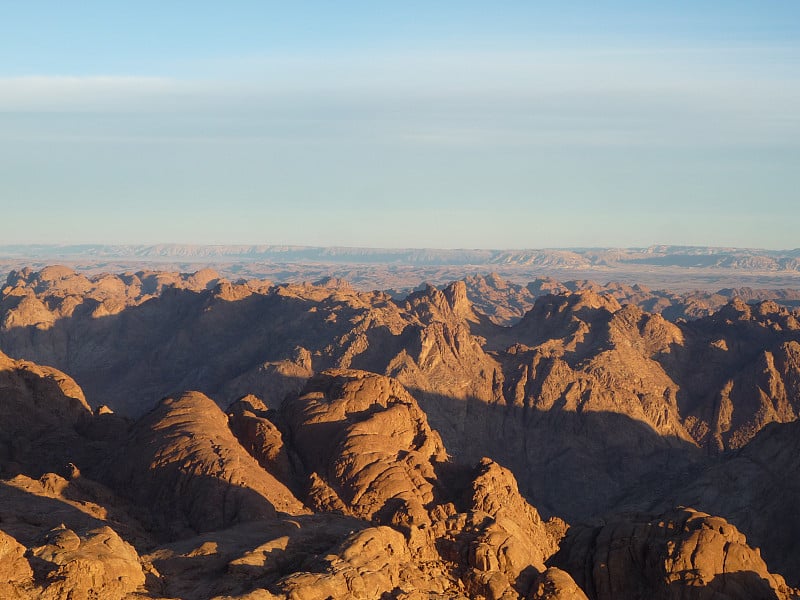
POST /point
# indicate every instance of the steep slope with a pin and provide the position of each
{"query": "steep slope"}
(184, 465)
(737, 371)
(42, 412)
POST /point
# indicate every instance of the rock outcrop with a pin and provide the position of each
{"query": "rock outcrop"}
(368, 445)
(249, 420)
(16, 575)
(680, 554)
(369, 564)
(555, 584)
(88, 565)
(501, 538)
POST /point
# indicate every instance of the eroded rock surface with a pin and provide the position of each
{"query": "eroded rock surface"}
(368, 443)
(370, 563)
(555, 584)
(90, 564)
(16, 575)
(681, 554)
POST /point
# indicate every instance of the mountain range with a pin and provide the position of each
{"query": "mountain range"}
(189, 435)
(683, 256)
(678, 268)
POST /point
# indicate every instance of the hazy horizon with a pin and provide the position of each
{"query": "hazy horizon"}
(235, 244)
(447, 126)
(275, 247)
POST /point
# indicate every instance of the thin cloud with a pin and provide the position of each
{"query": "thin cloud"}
(605, 98)
(82, 94)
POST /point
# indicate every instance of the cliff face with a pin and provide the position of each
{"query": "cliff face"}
(367, 417)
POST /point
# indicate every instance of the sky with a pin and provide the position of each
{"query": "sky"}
(444, 124)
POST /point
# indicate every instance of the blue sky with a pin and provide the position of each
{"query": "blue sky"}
(441, 124)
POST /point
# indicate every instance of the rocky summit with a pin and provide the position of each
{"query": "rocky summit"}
(168, 435)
